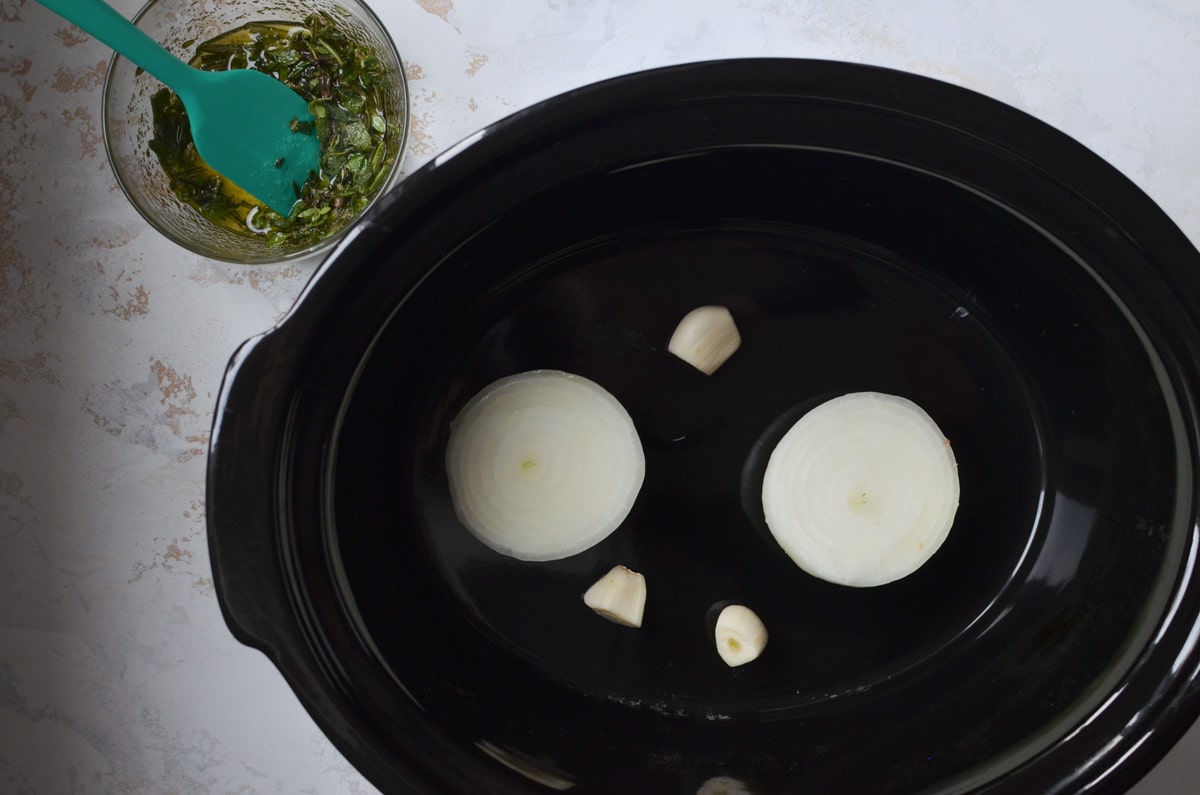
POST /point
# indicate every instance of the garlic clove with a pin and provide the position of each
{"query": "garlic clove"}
(705, 338)
(723, 785)
(619, 596)
(740, 635)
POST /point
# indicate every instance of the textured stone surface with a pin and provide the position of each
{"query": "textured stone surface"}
(117, 673)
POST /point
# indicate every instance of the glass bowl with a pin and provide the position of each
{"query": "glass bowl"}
(179, 25)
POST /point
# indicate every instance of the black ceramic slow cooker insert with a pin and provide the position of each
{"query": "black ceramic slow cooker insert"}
(869, 230)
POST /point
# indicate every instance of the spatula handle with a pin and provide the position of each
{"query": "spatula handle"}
(104, 23)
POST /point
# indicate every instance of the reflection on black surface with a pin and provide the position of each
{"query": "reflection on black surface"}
(1071, 530)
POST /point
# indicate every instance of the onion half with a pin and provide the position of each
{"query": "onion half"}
(543, 465)
(862, 490)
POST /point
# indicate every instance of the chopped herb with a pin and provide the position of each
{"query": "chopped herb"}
(343, 83)
(354, 163)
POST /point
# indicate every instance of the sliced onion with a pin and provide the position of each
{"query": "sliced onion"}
(862, 490)
(543, 465)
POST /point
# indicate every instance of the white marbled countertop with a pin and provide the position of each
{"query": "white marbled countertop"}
(117, 673)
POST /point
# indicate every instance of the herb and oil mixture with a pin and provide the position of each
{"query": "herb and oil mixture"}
(344, 84)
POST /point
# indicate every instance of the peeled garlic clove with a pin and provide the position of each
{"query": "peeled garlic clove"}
(705, 338)
(619, 596)
(740, 635)
(723, 785)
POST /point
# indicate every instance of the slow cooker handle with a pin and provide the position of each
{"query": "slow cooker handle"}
(242, 500)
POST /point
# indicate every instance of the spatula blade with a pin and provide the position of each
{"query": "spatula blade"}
(256, 132)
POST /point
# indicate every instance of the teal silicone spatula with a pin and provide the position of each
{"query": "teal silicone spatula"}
(242, 120)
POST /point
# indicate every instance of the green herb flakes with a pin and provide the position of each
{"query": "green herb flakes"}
(341, 80)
